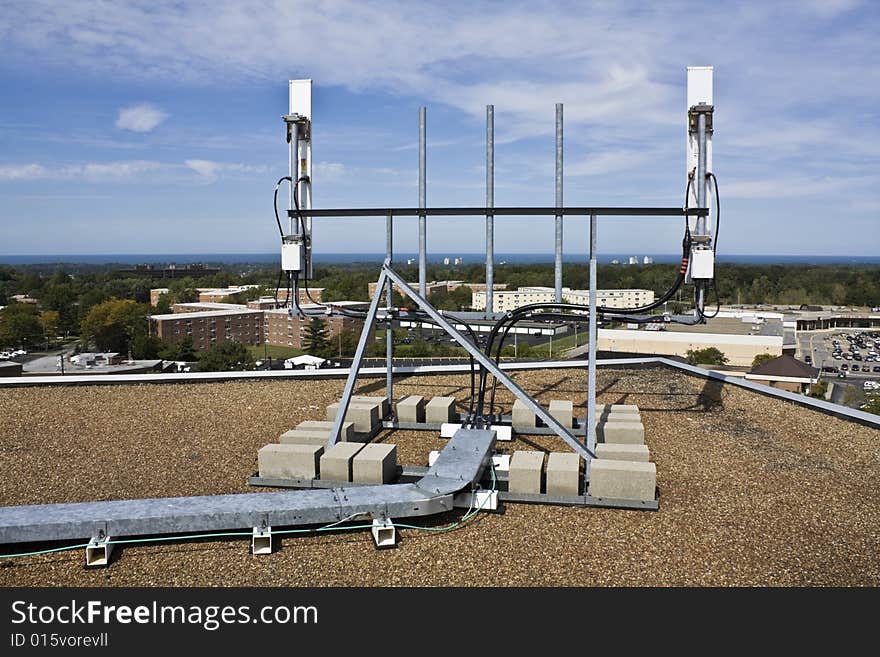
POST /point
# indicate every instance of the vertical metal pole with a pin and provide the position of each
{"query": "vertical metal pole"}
(593, 339)
(423, 228)
(558, 259)
(389, 333)
(701, 189)
(700, 182)
(490, 203)
(293, 171)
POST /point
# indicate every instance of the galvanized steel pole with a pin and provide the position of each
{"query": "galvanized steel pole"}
(558, 251)
(423, 228)
(490, 202)
(293, 173)
(700, 183)
(389, 332)
(593, 339)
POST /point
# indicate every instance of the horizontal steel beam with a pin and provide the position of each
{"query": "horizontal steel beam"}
(461, 463)
(502, 211)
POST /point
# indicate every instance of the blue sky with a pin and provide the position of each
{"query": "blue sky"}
(155, 126)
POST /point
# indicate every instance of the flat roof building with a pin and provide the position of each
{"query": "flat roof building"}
(287, 329)
(507, 300)
(209, 327)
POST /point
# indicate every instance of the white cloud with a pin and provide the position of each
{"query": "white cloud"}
(22, 171)
(328, 171)
(788, 187)
(87, 171)
(140, 118)
(209, 170)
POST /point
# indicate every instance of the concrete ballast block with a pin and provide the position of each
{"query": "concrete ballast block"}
(617, 408)
(440, 409)
(304, 437)
(289, 461)
(523, 417)
(630, 433)
(525, 472)
(615, 416)
(623, 452)
(345, 434)
(563, 470)
(411, 409)
(384, 406)
(376, 463)
(563, 411)
(336, 461)
(364, 416)
(623, 480)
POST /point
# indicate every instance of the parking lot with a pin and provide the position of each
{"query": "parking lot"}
(854, 353)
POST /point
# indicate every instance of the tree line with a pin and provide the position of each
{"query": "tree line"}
(97, 305)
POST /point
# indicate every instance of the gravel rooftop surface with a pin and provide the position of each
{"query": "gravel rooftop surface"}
(754, 490)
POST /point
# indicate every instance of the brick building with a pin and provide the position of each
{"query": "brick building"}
(210, 327)
(437, 286)
(285, 329)
(199, 306)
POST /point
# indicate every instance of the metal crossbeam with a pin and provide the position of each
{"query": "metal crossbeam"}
(504, 211)
(490, 365)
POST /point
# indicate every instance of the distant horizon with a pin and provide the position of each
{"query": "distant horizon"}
(330, 257)
(450, 252)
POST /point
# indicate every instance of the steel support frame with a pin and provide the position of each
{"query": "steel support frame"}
(423, 195)
(593, 339)
(389, 332)
(358, 358)
(489, 365)
(557, 261)
(505, 211)
(490, 202)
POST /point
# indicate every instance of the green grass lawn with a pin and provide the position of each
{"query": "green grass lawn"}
(261, 352)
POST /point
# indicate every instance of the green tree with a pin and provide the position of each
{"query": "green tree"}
(872, 405)
(225, 357)
(347, 342)
(146, 346)
(51, 321)
(707, 356)
(182, 350)
(163, 304)
(314, 340)
(113, 325)
(853, 396)
(761, 358)
(818, 390)
(20, 326)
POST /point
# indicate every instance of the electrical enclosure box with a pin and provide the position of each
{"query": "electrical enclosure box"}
(292, 253)
(702, 264)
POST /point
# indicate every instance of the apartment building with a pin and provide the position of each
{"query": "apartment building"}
(286, 329)
(507, 300)
(209, 327)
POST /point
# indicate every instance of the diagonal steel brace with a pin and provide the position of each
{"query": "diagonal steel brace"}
(487, 363)
(358, 358)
